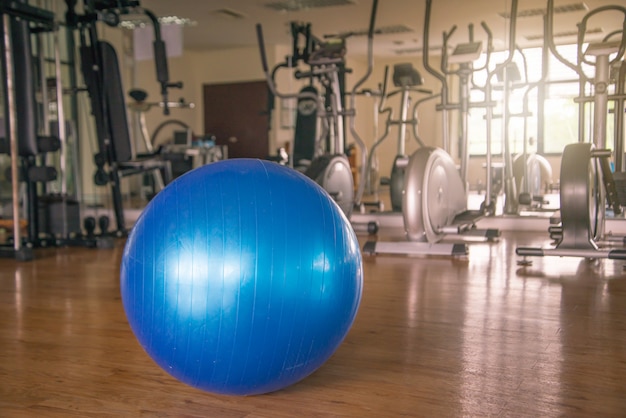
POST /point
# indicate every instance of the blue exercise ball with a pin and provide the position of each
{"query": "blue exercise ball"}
(241, 277)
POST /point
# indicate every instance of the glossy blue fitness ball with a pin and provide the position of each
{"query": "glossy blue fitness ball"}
(241, 277)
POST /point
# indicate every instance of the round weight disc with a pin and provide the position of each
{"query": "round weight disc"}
(597, 199)
(538, 169)
(533, 183)
(541, 173)
(434, 194)
(582, 198)
(412, 210)
(338, 182)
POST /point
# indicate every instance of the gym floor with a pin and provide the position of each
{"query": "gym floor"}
(433, 337)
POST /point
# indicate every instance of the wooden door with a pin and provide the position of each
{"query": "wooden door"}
(236, 113)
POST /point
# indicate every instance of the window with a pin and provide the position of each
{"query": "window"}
(560, 110)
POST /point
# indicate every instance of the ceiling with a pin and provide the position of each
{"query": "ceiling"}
(230, 24)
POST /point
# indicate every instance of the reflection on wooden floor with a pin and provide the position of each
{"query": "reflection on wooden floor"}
(434, 337)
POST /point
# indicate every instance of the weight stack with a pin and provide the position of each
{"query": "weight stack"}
(620, 186)
(51, 218)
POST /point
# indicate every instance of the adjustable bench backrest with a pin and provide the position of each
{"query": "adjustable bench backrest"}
(107, 81)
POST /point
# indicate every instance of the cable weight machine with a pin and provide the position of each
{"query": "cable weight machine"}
(39, 143)
(115, 158)
(16, 17)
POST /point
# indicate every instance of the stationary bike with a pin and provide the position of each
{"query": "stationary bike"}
(330, 168)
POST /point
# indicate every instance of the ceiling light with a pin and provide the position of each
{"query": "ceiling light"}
(564, 34)
(230, 13)
(141, 21)
(564, 8)
(298, 5)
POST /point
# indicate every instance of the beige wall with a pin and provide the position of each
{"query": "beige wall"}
(197, 68)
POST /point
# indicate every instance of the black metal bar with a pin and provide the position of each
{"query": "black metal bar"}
(26, 12)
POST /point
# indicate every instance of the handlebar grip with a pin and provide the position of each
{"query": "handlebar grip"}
(299, 75)
(370, 33)
(385, 77)
(449, 34)
(160, 60)
(259, 37)
(486, 28)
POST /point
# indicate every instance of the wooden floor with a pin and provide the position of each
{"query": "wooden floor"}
(434, 337)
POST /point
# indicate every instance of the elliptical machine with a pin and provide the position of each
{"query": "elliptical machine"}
(326, 60)
(532, 172)
(587, 183)
(434, 199)
(407, 80)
